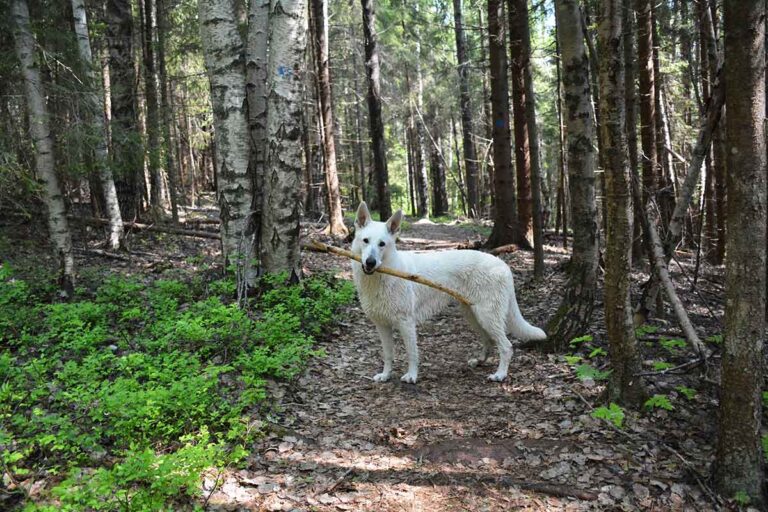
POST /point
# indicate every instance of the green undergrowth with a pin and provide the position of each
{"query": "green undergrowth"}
(124, 396)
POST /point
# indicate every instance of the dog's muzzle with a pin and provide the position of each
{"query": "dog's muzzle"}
(369, 266)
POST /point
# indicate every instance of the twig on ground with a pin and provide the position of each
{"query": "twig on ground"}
(693, 363)
(315, 246)
(338, 481)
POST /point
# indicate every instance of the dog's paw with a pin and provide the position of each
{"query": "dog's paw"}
(497, 377)
(409, 377)
(381, 377)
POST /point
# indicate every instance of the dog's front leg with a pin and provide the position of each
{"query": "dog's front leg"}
(387, 350)
(408, 332)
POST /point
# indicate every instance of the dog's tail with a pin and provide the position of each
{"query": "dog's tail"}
(517, 325)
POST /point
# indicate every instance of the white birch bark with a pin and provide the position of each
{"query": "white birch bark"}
(96, 112)
(280, 220)
(39, 126)
(224, 62)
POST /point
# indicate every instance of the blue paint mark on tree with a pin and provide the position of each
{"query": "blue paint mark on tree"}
(284, 71)
(500, 123)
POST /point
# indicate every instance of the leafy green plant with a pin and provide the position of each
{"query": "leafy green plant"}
(765, 398)
(575, 342)
(159, 379)
(717, 339)
(613, 413)
(764, 443)
(742, 498)
(645, 330)
(585, 371)
(597, 352)
(572, 360)
(672, 345)
(662, 365)
(659, 402)
(688, 393)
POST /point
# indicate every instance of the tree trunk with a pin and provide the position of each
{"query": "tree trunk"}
(630, 98)
(336, 225)
(151, 101)
(280, 217)
(39, 127)
(95, 111)
(505, 206)
(624, 387)
(517, 14)
(533, 138)
(647, 83)
(562, 207)
(470, 155)
(126, 151)
(223, 50)
(739, 458)
(166, 106)
(375, 121)
(437, 169)
(256, 92)
(572, 317)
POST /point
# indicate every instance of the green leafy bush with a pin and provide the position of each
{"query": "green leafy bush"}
(613, 413)
(148, 383)
(659, 402)
(585, 371)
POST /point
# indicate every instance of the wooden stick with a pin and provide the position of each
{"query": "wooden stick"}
(93, 221)
(315, 246)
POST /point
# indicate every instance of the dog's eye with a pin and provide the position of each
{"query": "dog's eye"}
(365, 240)
(382, 244)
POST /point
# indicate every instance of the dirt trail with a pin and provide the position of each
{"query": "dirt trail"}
(455, 441)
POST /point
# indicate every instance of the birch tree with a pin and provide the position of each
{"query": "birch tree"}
(42, 140)
(224, 62)
(95, 112)
(574, 313)
(280, 215)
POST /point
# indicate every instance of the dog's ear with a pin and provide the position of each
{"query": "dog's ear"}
(363, 215)
(393, 224)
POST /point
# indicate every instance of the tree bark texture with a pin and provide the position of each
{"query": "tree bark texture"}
(437, 170)
(224, 62)
(533, 138)
(335, 217)
(256, 93)
(39, 127)
(505, 205)
(572, 317)
(647, 83)
(624, 387)
(127, 161)
(739, 458)
(166, 109)
(95, 111)
(151, 101)
(375, 121)
(280, 217)
(465, 105)
(517, 15)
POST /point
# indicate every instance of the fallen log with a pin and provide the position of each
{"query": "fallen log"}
(135, 226)
(315, 246)
(662, 273)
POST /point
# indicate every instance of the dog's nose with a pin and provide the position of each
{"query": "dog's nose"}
(370, 263)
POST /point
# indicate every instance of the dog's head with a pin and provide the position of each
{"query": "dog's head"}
(374, 241)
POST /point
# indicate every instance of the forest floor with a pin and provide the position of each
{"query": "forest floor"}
(455, 441)
(336, 440)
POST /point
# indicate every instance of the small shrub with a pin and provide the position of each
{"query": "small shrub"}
(585, 371)
(688, 393)
(662, 365)
(613, 413)
(659, 402)
(575, 342)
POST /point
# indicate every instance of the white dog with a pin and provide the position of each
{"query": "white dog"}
(395, 303)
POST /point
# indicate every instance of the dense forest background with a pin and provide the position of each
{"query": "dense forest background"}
(612, 149)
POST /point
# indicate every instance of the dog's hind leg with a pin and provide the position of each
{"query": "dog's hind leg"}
(487, 342)
(408, 332)
(387, 350)
(494, 325)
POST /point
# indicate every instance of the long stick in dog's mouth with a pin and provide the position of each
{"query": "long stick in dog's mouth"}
(315, 246)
